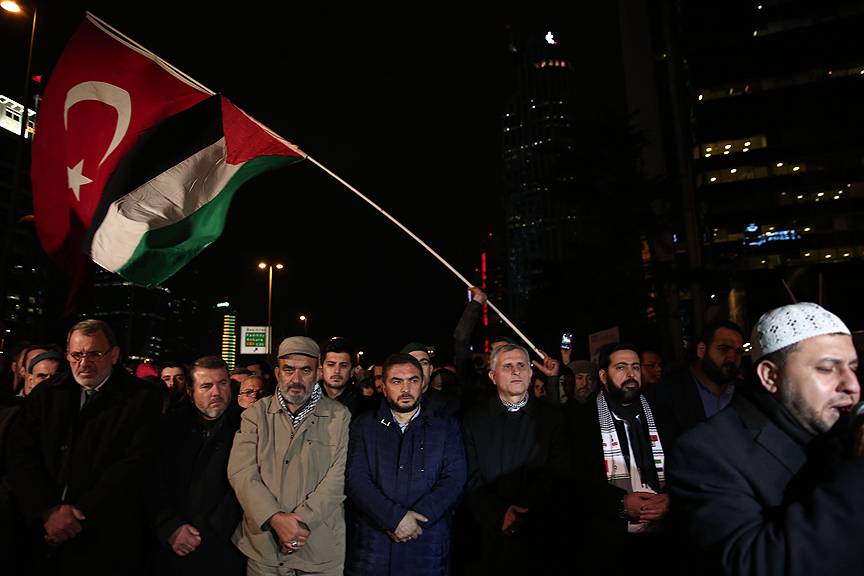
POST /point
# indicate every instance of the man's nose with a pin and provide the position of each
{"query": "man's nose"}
(849, 382)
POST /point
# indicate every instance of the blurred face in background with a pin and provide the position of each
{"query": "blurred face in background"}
(174, 378)
(251, 390)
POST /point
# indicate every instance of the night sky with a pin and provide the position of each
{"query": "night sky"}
(405, 105)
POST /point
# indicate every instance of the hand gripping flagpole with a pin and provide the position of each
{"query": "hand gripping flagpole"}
(428, 249)
(191, 81)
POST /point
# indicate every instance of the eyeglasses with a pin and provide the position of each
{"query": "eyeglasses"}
(256, 393)
(92, 355)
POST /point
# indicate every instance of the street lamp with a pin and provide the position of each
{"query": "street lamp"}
(14, 192)
(269, 267)
(305, 320)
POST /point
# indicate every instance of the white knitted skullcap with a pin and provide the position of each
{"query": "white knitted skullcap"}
(791, 324)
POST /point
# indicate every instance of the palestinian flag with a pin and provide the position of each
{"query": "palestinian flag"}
(168, 198)
(135, 164)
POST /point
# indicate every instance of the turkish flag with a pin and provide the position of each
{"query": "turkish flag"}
(104, 93)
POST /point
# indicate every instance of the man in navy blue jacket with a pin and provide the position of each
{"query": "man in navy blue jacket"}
(406, 470)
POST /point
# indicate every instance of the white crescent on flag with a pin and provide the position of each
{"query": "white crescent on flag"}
(111, 95)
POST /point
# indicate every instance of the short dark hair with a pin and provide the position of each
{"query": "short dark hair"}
(709, 331)
(338, 346)
(208, 363)
(399, 359)
(173, 364)
(604, 355)
(266, 370)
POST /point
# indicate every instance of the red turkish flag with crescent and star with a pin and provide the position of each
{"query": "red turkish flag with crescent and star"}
(103, 94)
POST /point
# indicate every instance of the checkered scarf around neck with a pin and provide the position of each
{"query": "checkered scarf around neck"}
(617, 472)
(515, 407)
(297, 419)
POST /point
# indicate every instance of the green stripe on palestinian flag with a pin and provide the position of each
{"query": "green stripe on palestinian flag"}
(155, 229)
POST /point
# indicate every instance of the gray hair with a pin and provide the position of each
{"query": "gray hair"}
(90, 327)
(493, 358)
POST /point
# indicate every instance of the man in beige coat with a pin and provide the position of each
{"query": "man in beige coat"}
(287, 468)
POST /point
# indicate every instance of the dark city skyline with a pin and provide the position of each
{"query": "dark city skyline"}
(411, 107)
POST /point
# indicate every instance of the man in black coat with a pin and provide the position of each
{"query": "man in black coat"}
(704, 387)
(759, 487)
(517, 458)
(78, 458)
(195, 510)
(618, 474)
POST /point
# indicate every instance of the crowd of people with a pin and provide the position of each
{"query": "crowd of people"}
(560, 465)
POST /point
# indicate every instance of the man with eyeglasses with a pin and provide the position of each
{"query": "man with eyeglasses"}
(406, 470)
(251, 389)
(78, 459)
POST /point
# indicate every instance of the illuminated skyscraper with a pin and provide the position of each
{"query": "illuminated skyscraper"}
(775, 92)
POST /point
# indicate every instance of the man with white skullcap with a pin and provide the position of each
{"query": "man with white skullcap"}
(767, 486)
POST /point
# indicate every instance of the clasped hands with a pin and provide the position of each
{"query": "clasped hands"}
(408, 528)
(291, 531)
(646, 506)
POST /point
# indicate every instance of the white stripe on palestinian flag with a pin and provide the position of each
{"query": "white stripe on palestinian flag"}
(152, 232)
(167, 199)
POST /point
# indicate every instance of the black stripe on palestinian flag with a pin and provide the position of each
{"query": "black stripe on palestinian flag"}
(166, 144)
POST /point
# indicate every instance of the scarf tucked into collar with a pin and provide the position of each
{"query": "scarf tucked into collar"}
(617, 472)
(297, 419)
(515, 407)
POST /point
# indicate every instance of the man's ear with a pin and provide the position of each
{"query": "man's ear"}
(768, 374)
(604, 376)
(700, 350)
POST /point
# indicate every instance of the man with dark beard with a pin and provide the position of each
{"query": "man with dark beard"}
(617, 469)
(406, 470)
(703, 388)
(767, 485)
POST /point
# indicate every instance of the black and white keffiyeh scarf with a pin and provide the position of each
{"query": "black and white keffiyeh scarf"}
(297, 419)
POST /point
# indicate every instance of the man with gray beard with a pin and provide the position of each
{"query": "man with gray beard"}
(287, 468)
(194, 509)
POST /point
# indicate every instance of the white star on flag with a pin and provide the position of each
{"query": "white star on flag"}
(77, 179)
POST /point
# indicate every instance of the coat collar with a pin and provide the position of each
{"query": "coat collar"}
(769, 436)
